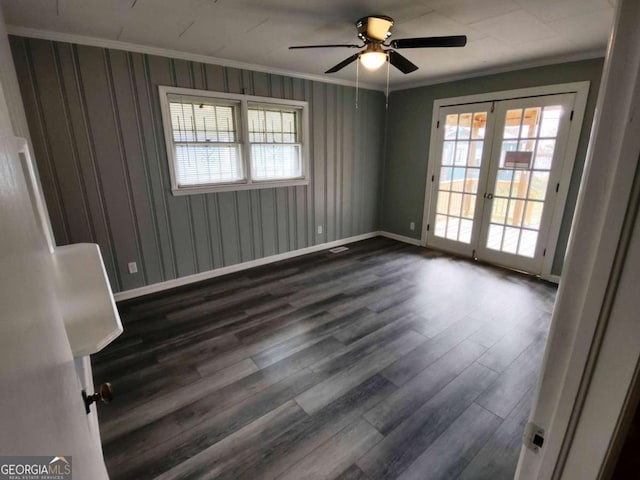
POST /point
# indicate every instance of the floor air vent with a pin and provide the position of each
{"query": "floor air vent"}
(339, 249)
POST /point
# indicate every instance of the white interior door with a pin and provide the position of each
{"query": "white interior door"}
(529, 144)
(496, 177)
(460, 173)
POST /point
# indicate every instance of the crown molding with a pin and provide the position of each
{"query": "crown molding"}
(541, 62)
(176, 54)
(194, 57)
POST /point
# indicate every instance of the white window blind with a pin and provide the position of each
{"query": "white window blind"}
(275, 143)
(205, 137)
(218, 142)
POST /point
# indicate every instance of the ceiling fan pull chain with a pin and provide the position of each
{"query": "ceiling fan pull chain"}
(386, 105)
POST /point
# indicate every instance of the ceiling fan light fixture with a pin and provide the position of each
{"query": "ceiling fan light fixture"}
(373, 60)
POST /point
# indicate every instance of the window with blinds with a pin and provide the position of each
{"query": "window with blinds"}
(205, 138)
(221, 142)
(275, 143)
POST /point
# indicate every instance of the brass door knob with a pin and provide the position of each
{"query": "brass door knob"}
(104, 394)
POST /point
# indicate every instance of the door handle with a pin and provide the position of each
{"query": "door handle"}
(104, 393)
(488, 196)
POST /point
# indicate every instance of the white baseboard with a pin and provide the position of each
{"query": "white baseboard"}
(198, 277)
(401, 238)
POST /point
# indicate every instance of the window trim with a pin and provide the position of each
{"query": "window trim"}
(243, 139)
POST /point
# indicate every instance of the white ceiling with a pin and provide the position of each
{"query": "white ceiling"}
(502, 34)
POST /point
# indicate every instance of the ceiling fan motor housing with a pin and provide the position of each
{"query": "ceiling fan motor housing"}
(375, 28)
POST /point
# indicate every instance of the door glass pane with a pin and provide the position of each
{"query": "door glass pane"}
(533, 215)
(550, 121)
(539, 182)
(503, 183)
(450, 127)
(459, 175)
(475, 154)
(494, 240)
(514, 215)
(446, 174)
(468, 206)
(441, 225)
(522, 179)
(471, 183)
(465, 231)
(512, 124)
(479, 125)
(443, 203)
(526, 145)
(499, 210)
(520, 184)
(455, 204)
(530, 123)
(464, 129)
(462, 151)
(510, 240)
(452, 228)
(447, 153)
(528, 240)
(457, 184)
(544, 154)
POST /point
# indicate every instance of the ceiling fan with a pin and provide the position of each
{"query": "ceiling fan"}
(374, 30)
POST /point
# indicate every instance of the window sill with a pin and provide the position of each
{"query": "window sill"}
(232, 187)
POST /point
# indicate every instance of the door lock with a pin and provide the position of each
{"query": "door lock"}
(488, 196)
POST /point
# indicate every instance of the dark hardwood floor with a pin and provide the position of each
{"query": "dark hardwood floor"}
(385, 361)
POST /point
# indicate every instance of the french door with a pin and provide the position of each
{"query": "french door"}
(496, 174)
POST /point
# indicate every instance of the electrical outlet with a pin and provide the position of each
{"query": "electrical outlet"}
(319, 229)
(412, 226)
(133, 267)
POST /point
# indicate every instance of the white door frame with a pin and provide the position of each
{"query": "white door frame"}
(581, 89)
(591, 358)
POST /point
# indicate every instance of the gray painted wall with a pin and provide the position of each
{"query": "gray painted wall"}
(408, 131)
(96, 128)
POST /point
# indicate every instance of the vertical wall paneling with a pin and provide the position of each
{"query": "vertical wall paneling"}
(244, 226)
(228, 228)
(30, 85)
(256, 223)
(355, 217)
(330, 119)
(94, 116)
(300, 195)
(318, 126)
(159, 183)
(179, 207)
(338, 163)
(102, 121)
(214, 78)
(348, 123)
(119, 81)
(80, 139)
(197, 221)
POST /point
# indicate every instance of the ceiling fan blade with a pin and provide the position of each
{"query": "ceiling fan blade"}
(400, 62)
(296, 47)
(343, 63)
(430, 42)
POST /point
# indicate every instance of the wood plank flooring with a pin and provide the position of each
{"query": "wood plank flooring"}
(386, 361)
